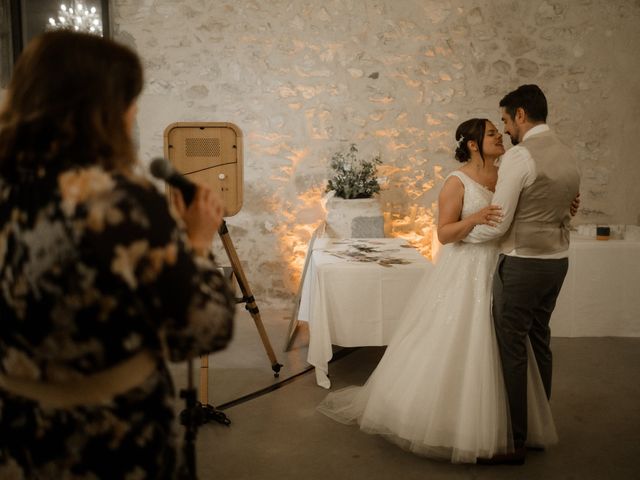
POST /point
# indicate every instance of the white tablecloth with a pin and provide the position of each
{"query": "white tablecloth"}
(354, 292)
(601, 292)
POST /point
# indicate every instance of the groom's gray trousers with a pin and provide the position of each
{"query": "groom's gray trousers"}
(524, 296)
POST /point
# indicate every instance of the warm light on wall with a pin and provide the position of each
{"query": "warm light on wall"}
(294, 236)
(415, 223)
(409, 211)
(417, 228)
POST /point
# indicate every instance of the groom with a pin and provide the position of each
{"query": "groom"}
(537, 181)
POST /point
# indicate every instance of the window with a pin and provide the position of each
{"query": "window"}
(21, 20)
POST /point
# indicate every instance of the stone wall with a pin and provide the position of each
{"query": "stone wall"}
(304, 79)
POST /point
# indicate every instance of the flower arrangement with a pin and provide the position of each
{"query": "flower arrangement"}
(353, 177)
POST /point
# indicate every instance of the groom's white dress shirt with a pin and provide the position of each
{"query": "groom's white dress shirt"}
(517, 171)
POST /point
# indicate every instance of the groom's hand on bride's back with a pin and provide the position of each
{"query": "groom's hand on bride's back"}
(575, 204)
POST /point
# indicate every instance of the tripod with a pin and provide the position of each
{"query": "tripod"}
(200, 412)
(247, 296)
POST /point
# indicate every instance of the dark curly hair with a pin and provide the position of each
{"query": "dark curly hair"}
(470, 130)
(65, 106)
(528, 97)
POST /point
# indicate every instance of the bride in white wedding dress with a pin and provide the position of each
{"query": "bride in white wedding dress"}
(438, 390)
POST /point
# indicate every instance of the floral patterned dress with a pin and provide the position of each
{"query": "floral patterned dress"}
(94, 269)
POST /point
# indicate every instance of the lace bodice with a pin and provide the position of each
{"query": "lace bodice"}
(476, 196)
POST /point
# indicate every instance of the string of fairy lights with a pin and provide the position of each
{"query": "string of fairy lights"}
(78, 17)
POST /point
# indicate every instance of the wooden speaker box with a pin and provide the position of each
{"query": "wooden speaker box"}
(209, 153)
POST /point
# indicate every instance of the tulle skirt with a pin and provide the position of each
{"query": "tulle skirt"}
(438, 390)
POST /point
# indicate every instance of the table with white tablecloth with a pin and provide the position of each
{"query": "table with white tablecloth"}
(601, 292)
(354, 292)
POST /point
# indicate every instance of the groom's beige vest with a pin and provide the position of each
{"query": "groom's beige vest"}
(541, 221)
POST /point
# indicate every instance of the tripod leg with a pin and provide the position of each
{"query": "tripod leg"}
(204, 379)
(250, 303)
(211, 413)
(199, 412)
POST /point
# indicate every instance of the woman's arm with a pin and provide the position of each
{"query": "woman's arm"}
(147, 261)
(207, 323)
(451, 228)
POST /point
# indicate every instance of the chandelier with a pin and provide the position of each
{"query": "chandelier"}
(77, 17)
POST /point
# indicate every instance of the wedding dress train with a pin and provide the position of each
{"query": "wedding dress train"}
(438, 391)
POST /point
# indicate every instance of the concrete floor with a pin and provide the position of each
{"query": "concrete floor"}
(279, 435)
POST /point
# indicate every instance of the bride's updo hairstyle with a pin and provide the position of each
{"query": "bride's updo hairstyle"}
(469, 130)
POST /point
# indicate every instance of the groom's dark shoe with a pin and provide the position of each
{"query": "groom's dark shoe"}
(514, 458)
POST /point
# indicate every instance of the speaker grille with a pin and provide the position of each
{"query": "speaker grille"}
(202, 147)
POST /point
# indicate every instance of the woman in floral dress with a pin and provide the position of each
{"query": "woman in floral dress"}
(99, 280)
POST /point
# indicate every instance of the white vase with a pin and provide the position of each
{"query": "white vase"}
(354, 218)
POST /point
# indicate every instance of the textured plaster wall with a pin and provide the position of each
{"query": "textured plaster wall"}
(304, 78)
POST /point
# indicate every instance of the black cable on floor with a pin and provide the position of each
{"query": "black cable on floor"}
(336, 356)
